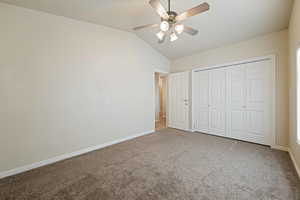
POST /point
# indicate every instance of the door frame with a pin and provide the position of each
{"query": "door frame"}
(156, 70)
(274, 72)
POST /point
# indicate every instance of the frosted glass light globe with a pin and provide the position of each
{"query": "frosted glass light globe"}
(160, 35)
(173, 37)
(164, 26)
(179, 28)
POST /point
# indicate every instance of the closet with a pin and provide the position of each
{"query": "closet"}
(235, 101)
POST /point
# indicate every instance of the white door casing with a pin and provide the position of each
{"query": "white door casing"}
(178, 110)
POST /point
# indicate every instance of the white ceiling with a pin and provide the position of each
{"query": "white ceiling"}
(228, 21)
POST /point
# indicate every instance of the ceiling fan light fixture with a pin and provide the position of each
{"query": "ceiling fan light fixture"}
(171, 22)
(173, 37)
(179, 28)
(160, 35)
(164, 26)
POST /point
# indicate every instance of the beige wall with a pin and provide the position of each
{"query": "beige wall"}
(67, 85)
(274, 43)
(294, 42)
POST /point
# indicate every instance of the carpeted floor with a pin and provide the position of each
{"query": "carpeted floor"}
(168, 165)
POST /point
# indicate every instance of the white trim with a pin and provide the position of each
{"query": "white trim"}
(193, 100)
(274, 84)
(294, 162)
(161, 71)
(180, 129)
(66, 156)
(274, 97)
(281, 148)
(249, 60)
(297, 93)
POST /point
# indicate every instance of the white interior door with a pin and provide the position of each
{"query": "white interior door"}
(217, 102)
(201, 101)
(178, 110)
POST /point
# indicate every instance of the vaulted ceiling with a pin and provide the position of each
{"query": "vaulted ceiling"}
(226, 22)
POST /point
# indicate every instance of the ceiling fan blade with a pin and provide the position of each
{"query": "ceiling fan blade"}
(145, 26)
(190, 30)
(193, 11)
(159, 8)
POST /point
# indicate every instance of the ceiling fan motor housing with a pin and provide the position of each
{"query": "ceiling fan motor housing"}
(172, 17)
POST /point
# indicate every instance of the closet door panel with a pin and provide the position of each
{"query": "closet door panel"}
(217, 102)
(236, 93)
(217, 125)
(255, 122)
(248, 100)
(256, 86)
(201, 101)
(257, 108)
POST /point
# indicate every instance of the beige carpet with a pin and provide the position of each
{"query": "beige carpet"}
(168, 165)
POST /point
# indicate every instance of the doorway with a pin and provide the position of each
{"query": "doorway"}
(160, 100)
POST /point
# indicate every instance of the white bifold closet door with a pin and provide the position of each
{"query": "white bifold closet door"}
(234, 101)
(249, 102)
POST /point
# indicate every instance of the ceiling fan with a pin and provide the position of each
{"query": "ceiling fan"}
(171, 21)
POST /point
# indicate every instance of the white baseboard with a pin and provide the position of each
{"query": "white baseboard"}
(66, 156)
(281, 148)
(294, 162)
